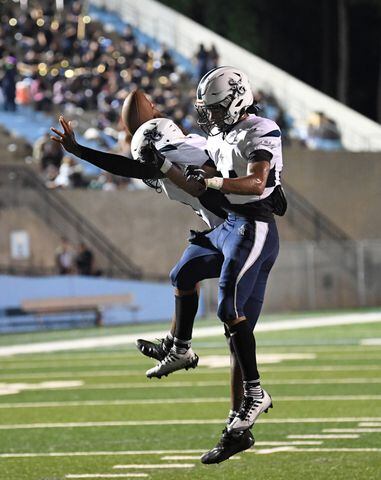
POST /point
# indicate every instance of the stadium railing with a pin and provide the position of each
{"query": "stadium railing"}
(25, 188)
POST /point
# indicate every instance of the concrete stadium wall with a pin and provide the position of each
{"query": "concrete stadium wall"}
(153, 230)
(145, 225)
(344, 186)
(43, 241)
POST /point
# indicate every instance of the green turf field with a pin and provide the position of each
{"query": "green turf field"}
(107, 421)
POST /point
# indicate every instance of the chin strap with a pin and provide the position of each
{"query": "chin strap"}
(153, 183)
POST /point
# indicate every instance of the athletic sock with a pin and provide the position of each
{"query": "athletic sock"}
(181, 346)
(244, 345)
(253, 389)
(186, 308)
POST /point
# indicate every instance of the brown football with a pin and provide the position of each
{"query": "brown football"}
(136, 110)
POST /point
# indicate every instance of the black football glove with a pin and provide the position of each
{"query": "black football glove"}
(150, 155)
(195, 173)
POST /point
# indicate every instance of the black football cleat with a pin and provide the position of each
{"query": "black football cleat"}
(151, 349)
(230, 443)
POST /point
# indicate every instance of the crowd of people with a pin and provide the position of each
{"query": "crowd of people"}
(61, 61)
(56, 65)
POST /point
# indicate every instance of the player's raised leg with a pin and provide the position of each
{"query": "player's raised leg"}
(198, 262)
(160, 349)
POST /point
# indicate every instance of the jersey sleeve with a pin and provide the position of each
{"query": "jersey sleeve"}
(266, 138)
(191, 151)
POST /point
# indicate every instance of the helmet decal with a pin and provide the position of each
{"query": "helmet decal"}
(153, 134)
(236, 86)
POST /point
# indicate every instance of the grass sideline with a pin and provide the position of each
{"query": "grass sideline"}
(326, 421)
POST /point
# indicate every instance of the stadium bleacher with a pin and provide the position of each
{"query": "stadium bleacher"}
(70, 81)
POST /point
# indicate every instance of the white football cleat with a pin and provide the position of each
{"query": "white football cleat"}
(172, 362)
(250, 410)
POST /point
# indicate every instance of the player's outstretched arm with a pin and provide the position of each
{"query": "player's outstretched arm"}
(66, 138)
(115, 164)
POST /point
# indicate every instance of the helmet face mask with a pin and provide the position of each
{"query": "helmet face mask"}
(223, 95)
(213, 119)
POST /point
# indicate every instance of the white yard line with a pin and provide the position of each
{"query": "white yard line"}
(97, 454)
(132, 423)
(202, 332)
(267, 451)
(107, 475)
(12, 388)
(369, 424)
(155, 466)
(352, 430)
(218, 383)
(289, 445)
(371, 342)
(181, 457)
(315, 450)
(322, 436)
(201, 371)
(95, 403)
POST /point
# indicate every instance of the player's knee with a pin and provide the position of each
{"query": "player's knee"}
(225, 311)
(182, 279)
(173, 275)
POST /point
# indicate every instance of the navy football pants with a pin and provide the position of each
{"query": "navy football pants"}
(241, 253)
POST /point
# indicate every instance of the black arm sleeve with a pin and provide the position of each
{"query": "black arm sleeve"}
(119, 165)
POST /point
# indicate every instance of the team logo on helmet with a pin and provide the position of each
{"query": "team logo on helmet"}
(236, 86)
(153, 135)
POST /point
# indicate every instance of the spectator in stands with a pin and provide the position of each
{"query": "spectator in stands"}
(66, 171)
(46, 154)
(202, 58)
(64, 257)
(8, 84)
(323, 133)
(84, 260)
(214, 58)
(206, 60)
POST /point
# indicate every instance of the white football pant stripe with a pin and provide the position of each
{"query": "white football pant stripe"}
(261, 230)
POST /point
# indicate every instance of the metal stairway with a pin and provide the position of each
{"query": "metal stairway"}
(21, 186)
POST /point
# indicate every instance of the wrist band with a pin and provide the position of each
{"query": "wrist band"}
(215, 182)
(166, 166)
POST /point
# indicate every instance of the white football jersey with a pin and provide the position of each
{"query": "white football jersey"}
(190, 150)
(231, 153)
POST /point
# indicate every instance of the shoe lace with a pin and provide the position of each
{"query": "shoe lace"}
(164, 344)
(227, 437)
(224, 438)
(248, 405)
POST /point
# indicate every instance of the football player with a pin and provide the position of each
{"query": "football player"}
(246, 245)
(172, 147)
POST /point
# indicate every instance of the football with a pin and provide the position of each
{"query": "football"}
(136, 110)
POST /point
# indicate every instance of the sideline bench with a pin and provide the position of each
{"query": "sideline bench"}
(84, 304)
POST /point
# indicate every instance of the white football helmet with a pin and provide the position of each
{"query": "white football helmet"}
(161, 132)
(223, 95)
